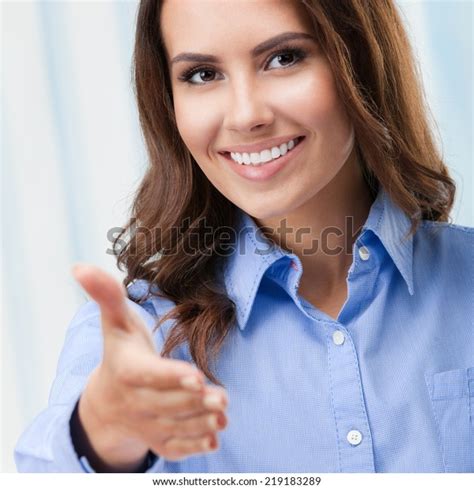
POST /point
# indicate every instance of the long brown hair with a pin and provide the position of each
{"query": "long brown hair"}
(378, 80)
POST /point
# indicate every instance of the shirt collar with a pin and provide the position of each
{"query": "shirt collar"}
(255, 254)
(391, 225)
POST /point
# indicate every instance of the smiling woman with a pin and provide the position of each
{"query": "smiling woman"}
(269, 83)
(299, 126)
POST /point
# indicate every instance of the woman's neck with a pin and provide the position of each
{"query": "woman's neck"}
(322, 231)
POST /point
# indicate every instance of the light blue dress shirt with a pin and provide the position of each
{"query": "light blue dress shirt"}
(387, 387)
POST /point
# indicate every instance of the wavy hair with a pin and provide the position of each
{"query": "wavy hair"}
(378, 80)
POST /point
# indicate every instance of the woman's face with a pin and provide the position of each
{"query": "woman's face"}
(246, 98)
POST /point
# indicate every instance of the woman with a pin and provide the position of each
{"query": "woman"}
(304, 263)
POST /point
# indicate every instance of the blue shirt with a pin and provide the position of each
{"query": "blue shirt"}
(387, 387)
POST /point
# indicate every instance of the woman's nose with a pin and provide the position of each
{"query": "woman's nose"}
(246, 108)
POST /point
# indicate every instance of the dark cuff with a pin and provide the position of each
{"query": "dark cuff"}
(83, 447)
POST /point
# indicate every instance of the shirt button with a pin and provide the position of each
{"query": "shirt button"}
(364, 253)
(354, 437)
(338, 337)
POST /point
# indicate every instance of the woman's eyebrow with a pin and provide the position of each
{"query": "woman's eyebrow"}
(256, 51)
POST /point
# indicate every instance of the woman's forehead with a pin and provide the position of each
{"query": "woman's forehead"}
(204, 24)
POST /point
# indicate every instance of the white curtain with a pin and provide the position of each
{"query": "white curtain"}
(72, 154)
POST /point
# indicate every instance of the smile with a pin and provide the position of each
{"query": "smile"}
(262, 172)
(265, 156)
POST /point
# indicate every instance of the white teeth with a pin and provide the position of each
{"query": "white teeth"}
(254, 157)
(264, 156)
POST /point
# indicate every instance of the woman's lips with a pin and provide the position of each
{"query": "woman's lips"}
(264, 172)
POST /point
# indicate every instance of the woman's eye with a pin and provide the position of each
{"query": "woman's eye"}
(200, 79)
(283, 58)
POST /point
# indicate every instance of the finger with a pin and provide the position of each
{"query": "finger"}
(170, 403)
(166, 374)
(108, 292)
(162, 374)
(193, 426)
(215, 398)
(178, 448)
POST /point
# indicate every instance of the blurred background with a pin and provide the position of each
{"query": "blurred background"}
(72, 156)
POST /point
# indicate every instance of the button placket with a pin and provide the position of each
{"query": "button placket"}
(354, 445)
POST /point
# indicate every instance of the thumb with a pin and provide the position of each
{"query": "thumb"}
(109, 294)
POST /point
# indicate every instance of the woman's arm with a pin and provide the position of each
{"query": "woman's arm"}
(47, 444)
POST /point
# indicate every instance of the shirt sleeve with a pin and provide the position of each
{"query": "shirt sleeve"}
(46, 444)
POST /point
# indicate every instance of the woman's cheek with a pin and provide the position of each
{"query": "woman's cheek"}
(197, 123)
(315, 98)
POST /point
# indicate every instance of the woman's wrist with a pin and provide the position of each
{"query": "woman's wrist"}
(105, 451)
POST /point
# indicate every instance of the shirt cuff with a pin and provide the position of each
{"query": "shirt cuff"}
(45, 445)
(152, 462)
